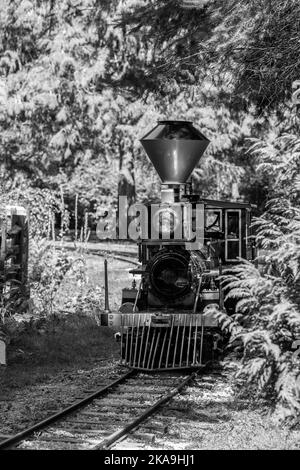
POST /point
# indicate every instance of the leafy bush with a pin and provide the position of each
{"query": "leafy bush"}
(48, 267)
(267, 318)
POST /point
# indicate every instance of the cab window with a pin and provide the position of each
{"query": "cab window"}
(232, 234)
(213, 220)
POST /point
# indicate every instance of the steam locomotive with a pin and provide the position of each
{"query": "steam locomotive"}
(168, 321)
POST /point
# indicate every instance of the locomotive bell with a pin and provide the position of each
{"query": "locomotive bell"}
(174, 148)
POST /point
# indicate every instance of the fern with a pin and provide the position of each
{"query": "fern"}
(267, 318)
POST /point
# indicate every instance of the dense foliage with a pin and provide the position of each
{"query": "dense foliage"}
(267, 320)
(75, 98)
(82, 80)
(253, 45)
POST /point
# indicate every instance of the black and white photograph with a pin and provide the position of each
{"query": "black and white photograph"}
(149, 228)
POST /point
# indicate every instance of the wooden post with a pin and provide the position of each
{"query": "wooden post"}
(2, 254)
(104, 316)
(2, 350)
(14, 273)
(106, 287)
(221, 293)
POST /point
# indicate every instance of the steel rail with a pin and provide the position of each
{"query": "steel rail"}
(102, 252)
(107, 442)
(7, 443)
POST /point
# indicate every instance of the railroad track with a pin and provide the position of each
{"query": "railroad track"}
(100, 419)
(121, 255)
(127, 257)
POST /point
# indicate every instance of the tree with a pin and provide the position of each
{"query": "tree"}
(251, 45)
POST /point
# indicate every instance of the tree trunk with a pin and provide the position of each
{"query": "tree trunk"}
(126, 184)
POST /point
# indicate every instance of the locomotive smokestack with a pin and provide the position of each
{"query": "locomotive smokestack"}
(174, 148)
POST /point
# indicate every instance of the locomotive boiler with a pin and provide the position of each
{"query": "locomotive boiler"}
(167, 319)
